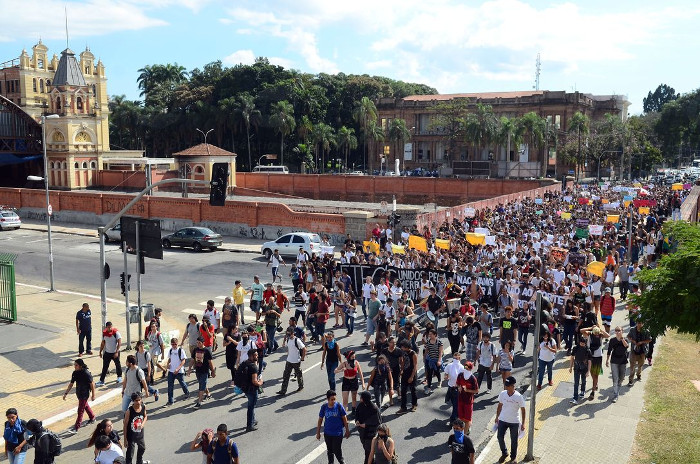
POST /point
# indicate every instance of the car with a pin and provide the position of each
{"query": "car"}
(289, 244)
(195, 237)
(9, 220)
(114, 234)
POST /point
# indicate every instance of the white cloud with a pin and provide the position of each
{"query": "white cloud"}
(240, 57)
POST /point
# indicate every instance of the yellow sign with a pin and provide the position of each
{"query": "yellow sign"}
(418, 243)
(444, 244)
(605, 201)
(614, 218)
(596, 268)
(398, 250)
(475, 239)
(566, 216)
(678, 186)
(627, 203)
(643, 210)
(373, 247)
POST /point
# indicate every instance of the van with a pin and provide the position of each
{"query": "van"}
(271, 169)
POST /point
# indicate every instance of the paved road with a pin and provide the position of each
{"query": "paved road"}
(181, 283)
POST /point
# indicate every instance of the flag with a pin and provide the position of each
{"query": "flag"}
(566, 216)
(372, 247)
(643, 210)
(444, 244)
(581, 232)
(419, 243)
(398, 250)
(596, 268)
(614, 218)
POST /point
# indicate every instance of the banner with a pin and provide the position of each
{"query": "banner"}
(558, 254)
(440, 243)
(475, 239)
(582, 222)
(614, 218)
(595, 229)
(490, 240)
(583, 201)
(525, 295)
(566, 216)
(677, 186)
(327, 250)
(398, 250)
(481, 230)
(643, 210)
(581, 232)
(577, 258)
(411, 279)
(469, 212)
(538, 201)
(638, 203)
(418, 243)
(372, 247)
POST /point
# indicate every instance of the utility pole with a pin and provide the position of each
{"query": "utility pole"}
(533, 380)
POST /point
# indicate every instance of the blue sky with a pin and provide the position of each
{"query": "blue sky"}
(602, 47)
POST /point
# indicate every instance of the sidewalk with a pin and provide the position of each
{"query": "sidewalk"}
(232, 244)
(596, 431)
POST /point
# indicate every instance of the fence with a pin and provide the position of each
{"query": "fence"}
(8, 296)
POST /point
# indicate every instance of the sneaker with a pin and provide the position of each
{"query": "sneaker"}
(119, 380)
(630, 383)
(251, 429)
(197, 405)
(80, 355)
(365, 344)
(99, 384)
(426, 390)
(300, 389)
(156, 395)
(414, 408)
(649, 359)
(91, 421)
(488, 390)
(573, 401)
(72, 431)
(503, 458)
(169, 403)
(614, 399)
(639, 377)
(591, 396)
(281, 392)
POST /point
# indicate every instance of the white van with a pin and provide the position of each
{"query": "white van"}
(271, 169)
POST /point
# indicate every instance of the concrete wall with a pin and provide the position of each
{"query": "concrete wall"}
(690, 209)
(408, 190)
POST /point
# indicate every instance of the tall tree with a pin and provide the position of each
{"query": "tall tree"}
(227, 107)
(251, 117)
(365, 113)
(510, 134)
(374, 134)
(480, 127)
(282, 119)
(534, 129)
(662, 95)
(398, 133)
(304, 128)
(579, 124)
(323, 137)
(346, 141)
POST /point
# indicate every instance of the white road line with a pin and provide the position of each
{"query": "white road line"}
(203, 303)
(188, 311)
(316, 452)
(35, 241)
(222, 297)
(309, 368)
(67, 292)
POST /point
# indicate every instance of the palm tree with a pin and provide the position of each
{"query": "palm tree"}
(364, 113)
(579, 124)
(304, 128)
(481, 127)
(323, 137)
(251, 116)
(228, 107)
(346, 141)
(534, 128)
(398, 133)
(374, 133)
(282, 118)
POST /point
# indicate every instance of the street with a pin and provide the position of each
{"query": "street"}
(180, 284)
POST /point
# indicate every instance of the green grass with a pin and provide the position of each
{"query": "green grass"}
(669, 429)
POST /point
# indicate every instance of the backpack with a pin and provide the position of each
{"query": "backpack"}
(215, 444)
(242, 377)
(179, 353)
(55, 445)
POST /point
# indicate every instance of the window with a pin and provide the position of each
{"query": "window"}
(79, 103)
(76, 166)
(93, 164)
(34, 84)
(94, 91)
(198, 170)
(283, 239)
(84, 164)
(58, 104)
(386, 122)
(387, 150)
(41, 85)
(40, 63)
(298, 239)
(48, 83)
(557, 121)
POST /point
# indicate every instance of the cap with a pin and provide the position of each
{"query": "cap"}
(607, 290)
(510, 381)
(470, 365)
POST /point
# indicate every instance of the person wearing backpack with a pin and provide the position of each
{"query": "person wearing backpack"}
(134, 381)
(47, 445)
(595, 343)
(176, 369)
(134, 421)
(486, 354)
(84, 386)
(222, 450)
(249, 381)
(295, 356)
(15, 445)
(191, 333)
(111, 343)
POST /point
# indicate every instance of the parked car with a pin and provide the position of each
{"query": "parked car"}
(114, 234)
(195, 237)
(289, 244)
(9, 220)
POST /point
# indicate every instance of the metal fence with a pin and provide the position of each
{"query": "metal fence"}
(8, 295)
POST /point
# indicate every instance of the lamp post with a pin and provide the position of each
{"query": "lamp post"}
(205, 134)
(46, 188)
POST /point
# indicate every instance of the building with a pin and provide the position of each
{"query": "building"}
(431, 148)
(197, 162)
(72, 93)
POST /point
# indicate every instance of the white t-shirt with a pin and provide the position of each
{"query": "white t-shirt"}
(176, 357)
(453, 370)
(244, 349)
(545, 354)
(213, 316)
(275, 260)
(596, 287)
(366, 289)
(382, 292)
(111, 342)
(510, 411)
(107, 456)
(558, 276)
(486, 354)
(425, 288)
(294, 349)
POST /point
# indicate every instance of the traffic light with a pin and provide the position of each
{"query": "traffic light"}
(218, 185)
(124, 282)
(394, 219)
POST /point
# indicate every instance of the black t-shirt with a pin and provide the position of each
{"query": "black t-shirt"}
(589, 319)
(434, 303)
(252, 369)
(508, 326)
(581, 354)
(134, 430)
(460, 451)
(393, 356)
(83, 382)
(201, 358)
(408, 362)
(84, 321)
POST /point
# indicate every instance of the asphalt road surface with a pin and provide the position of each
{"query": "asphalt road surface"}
(180, 283)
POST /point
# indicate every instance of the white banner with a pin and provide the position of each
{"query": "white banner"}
(408, 151)
(595, 229)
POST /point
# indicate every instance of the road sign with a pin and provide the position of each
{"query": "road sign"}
(149, 231)
(49, 209)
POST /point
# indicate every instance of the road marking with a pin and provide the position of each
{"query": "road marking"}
(35, 241)
(67, 292)
(309, 368)
(189, 311)
(222, 297)
(316, 452)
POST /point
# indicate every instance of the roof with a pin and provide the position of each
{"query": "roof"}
(201, 150)
(68, 71)
(450, 96)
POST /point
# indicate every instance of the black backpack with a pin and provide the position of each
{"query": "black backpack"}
(55, 447)
(242, 377)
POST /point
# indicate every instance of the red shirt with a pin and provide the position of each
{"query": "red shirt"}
(323, 310)
(207, 335)
(267, 294)
(607, 305)
(282, 301)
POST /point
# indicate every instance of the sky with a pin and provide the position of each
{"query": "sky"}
(593, 46)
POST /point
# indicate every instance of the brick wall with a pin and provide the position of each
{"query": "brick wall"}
(408, 190)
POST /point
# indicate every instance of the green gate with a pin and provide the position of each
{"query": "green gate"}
(8, 296)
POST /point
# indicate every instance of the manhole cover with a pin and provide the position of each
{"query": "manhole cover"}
(564, 390)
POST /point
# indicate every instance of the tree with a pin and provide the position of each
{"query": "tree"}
(251, 116)
(579, 125)
(346, 141)
(364, 114)
(534, 128)
(480, 127)
(323, 137)
(450, 119)
(304, 128)
(398, 133)
(374, 134)
(671, 294)
(510, 134)
(282, 118)
(662, 95)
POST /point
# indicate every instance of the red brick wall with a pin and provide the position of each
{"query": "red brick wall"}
(408, 190)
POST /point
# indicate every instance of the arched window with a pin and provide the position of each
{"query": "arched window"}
(64, 165)
(84, 164)
(58, 103)
(94, 90)
(41, 85)
(93, 164)
(48, 83)
(51, 165)
(198, 170)
(79, 103)
(76, 166)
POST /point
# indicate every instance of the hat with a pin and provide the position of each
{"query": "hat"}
(510, 381)
(607, 290)
(470, 365)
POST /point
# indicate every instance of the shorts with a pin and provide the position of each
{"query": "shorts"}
(607, 320)
(351, 385)
(371, 327)
(255, 306)
(202, 381)
(596, 297)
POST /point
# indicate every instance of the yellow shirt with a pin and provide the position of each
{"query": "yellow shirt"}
(239, 294)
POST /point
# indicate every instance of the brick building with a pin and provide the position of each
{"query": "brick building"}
(429, 146)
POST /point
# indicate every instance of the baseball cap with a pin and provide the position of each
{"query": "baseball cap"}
(607, 290)
(510, 381)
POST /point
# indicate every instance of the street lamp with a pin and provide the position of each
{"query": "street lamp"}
(205, 138)
(46, 188)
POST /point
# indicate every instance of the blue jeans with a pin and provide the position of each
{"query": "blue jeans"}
(171, 384)
(330, 370)
(540, 370)
(569, 332)
(320, 329)
(311, 325)
(350, 323)
(513, 428)
(271, 342)
(84, 336)
(16, 458)
(579, 378)
(252, 395)
(453, 394)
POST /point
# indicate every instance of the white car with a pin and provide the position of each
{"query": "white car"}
(9, 220)
(289, 244)
(114, 234)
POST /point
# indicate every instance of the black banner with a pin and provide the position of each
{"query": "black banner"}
(524, 295)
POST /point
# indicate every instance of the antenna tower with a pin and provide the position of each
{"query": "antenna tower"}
(538, 67)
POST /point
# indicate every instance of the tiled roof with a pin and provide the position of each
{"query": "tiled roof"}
(201, 150)
(68, 71)
(450, 96)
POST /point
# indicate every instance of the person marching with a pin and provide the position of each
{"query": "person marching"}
(296, 352)
(84, 387)
(333, 418)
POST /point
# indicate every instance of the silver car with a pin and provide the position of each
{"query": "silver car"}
(289, 244)
(9, 220)
(195, 237)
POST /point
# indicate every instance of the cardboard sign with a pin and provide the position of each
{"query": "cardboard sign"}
(566, 216)
(644, 210)
(398, 250)
(596, 268)
(442, 244)
(595, 229)
(558, 254)
(614, 218)
(475, 239)
(418, 243)
(372, 247)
